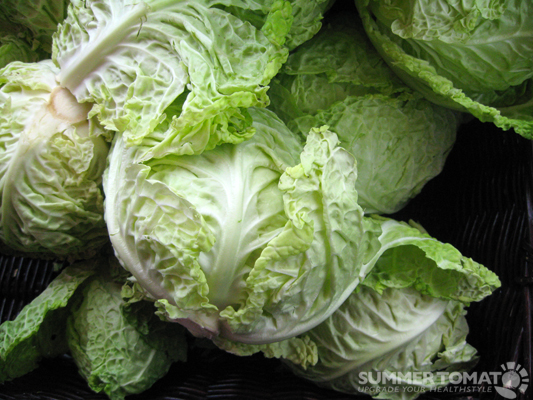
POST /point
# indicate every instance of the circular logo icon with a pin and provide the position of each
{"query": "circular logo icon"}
(514, 379)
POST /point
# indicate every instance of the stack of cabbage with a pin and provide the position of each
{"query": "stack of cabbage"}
(217, 168)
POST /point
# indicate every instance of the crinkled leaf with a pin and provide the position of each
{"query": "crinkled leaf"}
(306, 19)
(118, 351)
(39, 329)
(409, 257)
(133, 59)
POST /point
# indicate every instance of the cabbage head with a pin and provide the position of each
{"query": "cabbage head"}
(120, 348)
(254, 242)
(400, 139)
(402, 331)
(52, 158)
(473, 56)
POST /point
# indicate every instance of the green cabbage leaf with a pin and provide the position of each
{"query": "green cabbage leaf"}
(38, 331)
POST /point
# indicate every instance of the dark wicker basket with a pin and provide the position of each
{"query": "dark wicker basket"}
(481, 204)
